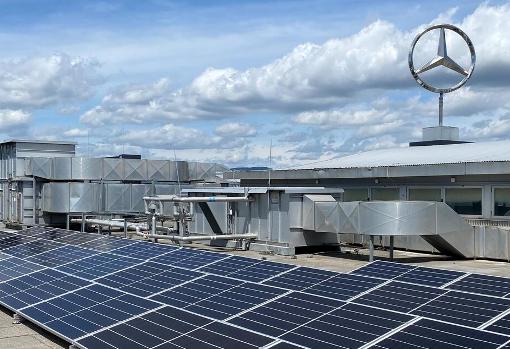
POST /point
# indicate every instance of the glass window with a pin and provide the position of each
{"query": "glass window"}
(385, 194)
(501, 201)
(465, 200)
(425, 194)
(356, 194)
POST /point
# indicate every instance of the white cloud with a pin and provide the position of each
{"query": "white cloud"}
(312, 76)
(11, 119)
(76, 132)
(235, 129)
(38, 82)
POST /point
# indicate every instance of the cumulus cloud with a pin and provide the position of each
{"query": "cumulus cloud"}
(12, 119)
(235, 129)
(312, 76)
(76, 132)
(38, 82)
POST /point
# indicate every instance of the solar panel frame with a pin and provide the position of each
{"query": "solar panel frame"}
(430, 334)
(462, 308)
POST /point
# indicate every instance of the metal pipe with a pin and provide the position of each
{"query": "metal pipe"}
(199, 237)
(175, 198)
(371, 249)
(392, 244)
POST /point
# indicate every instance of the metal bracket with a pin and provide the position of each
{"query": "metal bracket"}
(17, 319)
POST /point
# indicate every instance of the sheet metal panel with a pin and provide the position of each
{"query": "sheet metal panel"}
(118, 197)
(113, 169)
(158, 170)
(86, 168)
(135, 169)
(62, 168)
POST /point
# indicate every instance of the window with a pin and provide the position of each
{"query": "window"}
(465, 200)
(425, 194)
(356, 194)
(501, 201)
(385, 194)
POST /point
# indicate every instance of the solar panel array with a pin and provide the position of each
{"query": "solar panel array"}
(100, 292)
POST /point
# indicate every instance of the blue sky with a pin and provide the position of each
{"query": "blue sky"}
(221, 80)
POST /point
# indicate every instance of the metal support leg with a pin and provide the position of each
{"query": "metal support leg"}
(125, 229)
(17, 319)
(392, 243)
(83, 222)
(371, 249)
(67, 222)
(99, 229)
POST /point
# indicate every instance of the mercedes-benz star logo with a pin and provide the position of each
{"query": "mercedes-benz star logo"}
(442, 58)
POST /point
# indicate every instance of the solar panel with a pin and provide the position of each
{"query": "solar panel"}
(87, 310)
(13, 267)
(483, 284)
(248, 269)
(32, 248)
(426, 333)
(350, 326)
(106, 292)
(98, 265)
(399, 296)
(148, 278)
(61, 255)
(234, 300)
(429, 276)
(384, 270)
(36, 287)
(196, 290)
(144, 250)
(173, 328)
(285, 314)
(13, 240)
(300, 278)
(107, 244)
(343, 286)
(500, 326)
(33, 231)
(189, 259)
(464, 308)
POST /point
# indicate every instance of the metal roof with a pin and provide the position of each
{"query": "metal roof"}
(37, 141)
(425, 155)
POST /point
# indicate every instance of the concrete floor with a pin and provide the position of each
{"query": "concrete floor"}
(28, 336)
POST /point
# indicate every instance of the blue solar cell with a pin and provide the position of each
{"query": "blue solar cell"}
(98, 265)
(189, 259)
(501, 326)
(161, 326)
(384, 270)
(350, 326)
(246, 269)
(300, 278)
(400, 296)
(61, 256)
(429, 276)
(12, 240)
(14, 267)
(343, 286)
(195, 291)
(483, 284)
(431, 334)
(37, 287)
(106, 244)
(148, 278)
(87, 310)
(234, 300)
(33, 231)
(32, 248)
(285, 314)
(144, 250)
(464, 308)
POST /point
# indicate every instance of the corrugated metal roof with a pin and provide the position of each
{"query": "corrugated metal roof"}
(423, 155)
